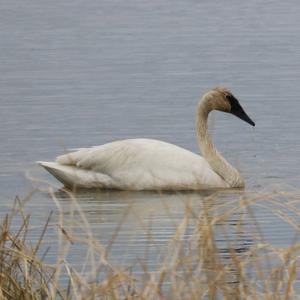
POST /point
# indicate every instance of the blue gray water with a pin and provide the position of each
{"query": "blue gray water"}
(82, 73)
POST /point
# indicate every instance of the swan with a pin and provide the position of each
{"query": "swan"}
(147, 164)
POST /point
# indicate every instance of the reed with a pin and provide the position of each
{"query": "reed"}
(193, 265)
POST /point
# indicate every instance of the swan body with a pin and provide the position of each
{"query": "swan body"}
(146, 164)
(135, 164)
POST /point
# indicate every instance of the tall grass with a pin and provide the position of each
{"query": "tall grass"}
(201, 260)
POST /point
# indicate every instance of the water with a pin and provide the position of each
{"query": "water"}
(82, 73)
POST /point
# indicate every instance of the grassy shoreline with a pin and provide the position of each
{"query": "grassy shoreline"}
(193, 266)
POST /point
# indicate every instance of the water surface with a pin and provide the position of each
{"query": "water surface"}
(82, 73)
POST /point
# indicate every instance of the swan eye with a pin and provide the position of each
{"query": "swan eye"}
(234, 103)
(228, 97)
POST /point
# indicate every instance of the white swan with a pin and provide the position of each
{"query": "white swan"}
(145, 164)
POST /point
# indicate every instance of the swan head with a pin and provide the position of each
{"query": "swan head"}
(222, 99)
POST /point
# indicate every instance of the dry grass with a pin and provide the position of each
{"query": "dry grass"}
(194, 265)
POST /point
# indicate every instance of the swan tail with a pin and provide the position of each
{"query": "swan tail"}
(72, 176)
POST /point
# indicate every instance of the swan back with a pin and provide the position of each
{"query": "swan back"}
(136, 164)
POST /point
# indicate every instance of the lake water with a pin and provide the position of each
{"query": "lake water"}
(82, 73)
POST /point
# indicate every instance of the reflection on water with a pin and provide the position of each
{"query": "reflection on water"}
(141, 228)
(200, 234)
(144, 224)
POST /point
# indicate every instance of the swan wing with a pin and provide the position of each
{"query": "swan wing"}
(144, 164)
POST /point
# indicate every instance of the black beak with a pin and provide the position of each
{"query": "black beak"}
(238, 111)
(242, 115)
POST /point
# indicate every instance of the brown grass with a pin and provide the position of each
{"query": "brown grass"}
(194, 264)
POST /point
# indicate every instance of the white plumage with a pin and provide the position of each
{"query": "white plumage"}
(146, 164)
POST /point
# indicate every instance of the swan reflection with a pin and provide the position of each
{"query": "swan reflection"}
(148, 221)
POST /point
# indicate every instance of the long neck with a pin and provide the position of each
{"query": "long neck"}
(214, 158)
